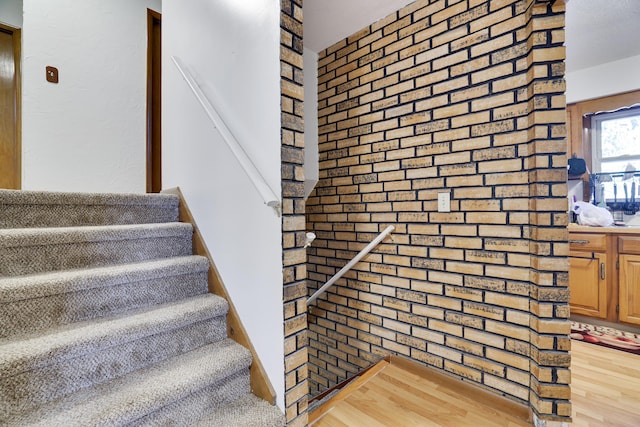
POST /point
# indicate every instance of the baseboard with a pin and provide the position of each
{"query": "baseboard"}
(343, 383)
(346, 388)
(260, 384)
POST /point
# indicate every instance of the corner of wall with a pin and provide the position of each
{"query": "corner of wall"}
(293, 210)
(310, 121)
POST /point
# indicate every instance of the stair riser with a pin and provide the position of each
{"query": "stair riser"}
(19, 260)
(40, 314)
(126, 399)
(28, 209)
(25, 216)
(29, 389)
(189, 409)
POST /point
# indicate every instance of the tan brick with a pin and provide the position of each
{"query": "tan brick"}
(462, 371)
(510, 83)
(509, 24)
(507, 358)
(296, 360)
(511, 331)
(444, 352)
(429, 119)
(472, 119)
(486, 257)
(509, 387)
(451, 59)
(470, 66)
(486, 217)
(488, 102)
(445, 327)
(452, 84)
(484, 338)
(483, 365)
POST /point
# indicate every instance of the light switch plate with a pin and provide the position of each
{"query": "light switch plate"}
(444, 202)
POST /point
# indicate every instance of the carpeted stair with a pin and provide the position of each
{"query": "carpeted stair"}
(105, 319)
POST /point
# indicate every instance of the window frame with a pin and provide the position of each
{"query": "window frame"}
(596, 141)
(578, 126)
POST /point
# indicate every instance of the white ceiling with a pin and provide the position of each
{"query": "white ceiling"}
(597, 31)
(328, 21)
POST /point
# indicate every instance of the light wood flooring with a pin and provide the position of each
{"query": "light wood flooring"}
(605, 386)
(605, 392)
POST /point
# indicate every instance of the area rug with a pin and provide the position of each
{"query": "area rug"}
(606, 337)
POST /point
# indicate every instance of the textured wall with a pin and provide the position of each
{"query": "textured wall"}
(467, 98)
(11, 13)
(243, 235)
(293, 220)
(88, 132)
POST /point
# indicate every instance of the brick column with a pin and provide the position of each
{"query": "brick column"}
(293, 210)
(547, 164)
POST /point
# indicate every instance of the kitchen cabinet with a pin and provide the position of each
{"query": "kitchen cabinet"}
(588, 282)
(629, 285)
(604, 273)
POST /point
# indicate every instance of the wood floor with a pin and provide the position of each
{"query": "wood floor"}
(605, 386)
(605, 392)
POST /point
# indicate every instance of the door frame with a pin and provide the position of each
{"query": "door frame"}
(154, 103)
(16, 36)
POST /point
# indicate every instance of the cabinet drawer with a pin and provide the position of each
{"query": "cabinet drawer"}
(629, 245)
(588, 242)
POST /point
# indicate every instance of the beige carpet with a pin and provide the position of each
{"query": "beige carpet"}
(106, 319)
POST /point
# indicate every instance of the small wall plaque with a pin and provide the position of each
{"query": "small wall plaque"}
(52, 74)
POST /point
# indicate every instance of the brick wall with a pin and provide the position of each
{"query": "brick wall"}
(464, 97)
(293, 214)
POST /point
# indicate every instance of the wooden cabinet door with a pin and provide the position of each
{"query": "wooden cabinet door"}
(587, 284)
(629, 299)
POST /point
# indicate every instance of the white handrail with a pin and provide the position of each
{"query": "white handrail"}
(351, 263)
(258, 181)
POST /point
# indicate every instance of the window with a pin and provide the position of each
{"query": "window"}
(616, 149)
(616, 140)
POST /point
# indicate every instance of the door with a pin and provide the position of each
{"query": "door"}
(10, 155)
(154, 98)
(587, 284)
(630, 289)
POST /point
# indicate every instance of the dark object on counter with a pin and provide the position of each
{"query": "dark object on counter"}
(577, 167)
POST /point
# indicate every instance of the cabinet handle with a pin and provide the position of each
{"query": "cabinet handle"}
(579, 242)
(602, 271)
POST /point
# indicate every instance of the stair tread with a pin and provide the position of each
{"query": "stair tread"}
(141, 392)
(94, 335)
(57, 209)
(13, 237)
(248, 411)
(20, 288)
(88, 198)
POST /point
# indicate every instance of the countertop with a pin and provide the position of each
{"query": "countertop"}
(575, 228)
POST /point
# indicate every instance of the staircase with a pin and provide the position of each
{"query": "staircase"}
(105, 318)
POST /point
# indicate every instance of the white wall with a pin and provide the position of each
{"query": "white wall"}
(606, 79)
(86, 133)
(310, 59)
(11, 13)
(232, 49)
